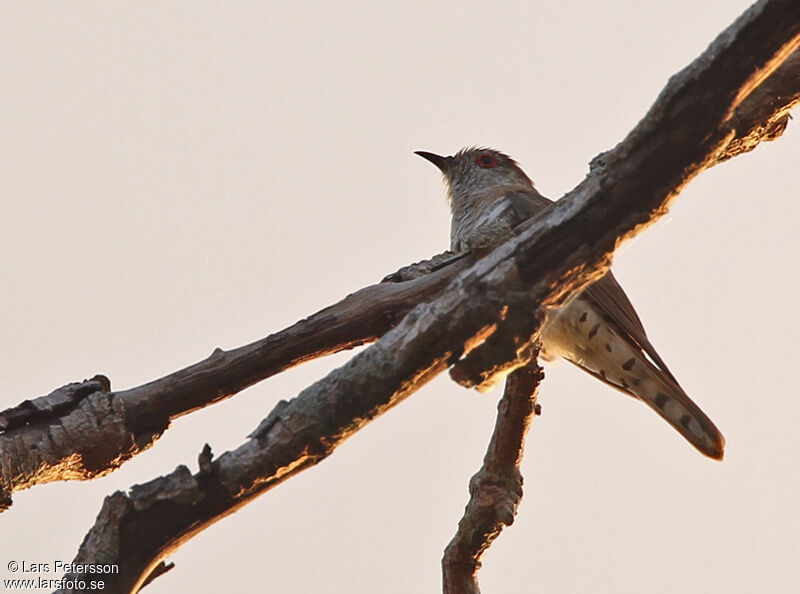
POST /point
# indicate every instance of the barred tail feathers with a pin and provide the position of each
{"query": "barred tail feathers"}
(583, 337)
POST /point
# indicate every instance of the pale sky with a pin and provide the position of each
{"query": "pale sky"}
(181, 176)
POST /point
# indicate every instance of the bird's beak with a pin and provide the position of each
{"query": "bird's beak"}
(443, 163)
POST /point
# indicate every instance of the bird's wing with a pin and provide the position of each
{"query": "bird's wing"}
(525, 202)
(612, 301)
(605, 293)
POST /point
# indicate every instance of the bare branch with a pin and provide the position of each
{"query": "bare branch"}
(83, 431)
(684, 132)
(159, 516)
(496, 489)
(764, 114)
(506, 349)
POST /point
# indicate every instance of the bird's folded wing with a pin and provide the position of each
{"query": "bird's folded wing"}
(612, 301)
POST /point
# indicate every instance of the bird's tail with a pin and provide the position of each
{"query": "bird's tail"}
(625, 367)
(664, 395)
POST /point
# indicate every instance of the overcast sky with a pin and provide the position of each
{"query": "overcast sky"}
(181, 176)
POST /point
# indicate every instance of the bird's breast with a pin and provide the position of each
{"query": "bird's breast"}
(483, 225)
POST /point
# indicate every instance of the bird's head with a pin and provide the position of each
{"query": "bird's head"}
(472, 172)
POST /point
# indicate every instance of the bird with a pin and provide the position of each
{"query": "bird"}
(598, 330)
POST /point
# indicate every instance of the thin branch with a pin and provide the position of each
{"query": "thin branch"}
(496, 489)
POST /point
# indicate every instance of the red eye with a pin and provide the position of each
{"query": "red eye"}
(486, 161)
